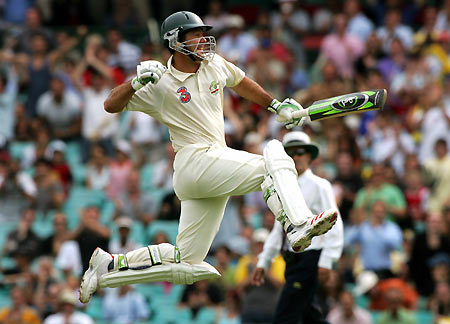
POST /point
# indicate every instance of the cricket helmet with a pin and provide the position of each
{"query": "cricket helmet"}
(179, 23)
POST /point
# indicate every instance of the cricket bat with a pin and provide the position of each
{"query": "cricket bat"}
(344, 105)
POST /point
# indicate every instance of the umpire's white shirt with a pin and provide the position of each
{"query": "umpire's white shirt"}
(319, 197)
(190, 104)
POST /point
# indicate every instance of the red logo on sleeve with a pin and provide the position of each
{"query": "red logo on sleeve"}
(185, 96)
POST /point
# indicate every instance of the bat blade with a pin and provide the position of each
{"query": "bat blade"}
(345, 104)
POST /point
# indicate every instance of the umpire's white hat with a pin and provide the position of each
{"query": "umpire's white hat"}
(300, 139)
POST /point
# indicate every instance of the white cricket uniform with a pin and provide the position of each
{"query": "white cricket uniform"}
(319, 196)
(206, 171)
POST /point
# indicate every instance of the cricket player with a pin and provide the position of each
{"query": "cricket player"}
(305, 269)
(187, 97)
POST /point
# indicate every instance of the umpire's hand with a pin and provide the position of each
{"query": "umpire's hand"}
(257, 276)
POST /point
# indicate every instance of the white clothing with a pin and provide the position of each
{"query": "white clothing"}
(75, 318)
(319, 196)
(59, 114)
(402, 32)
(145, 129)
(206, 172)
(69, 257)
(387, 146)
(434, 127)
(360, 26)
(96, 122)
(190, 104)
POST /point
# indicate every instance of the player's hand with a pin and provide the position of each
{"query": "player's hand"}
(257, 276)
(285, 110)
(148, 71)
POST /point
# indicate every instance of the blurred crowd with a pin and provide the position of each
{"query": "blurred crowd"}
(73, 177)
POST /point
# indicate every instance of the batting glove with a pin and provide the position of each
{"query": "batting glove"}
(147, 71)
(284, 111)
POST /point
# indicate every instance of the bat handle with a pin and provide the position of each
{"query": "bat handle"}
(301, 113)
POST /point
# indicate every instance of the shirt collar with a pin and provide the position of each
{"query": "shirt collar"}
(306, 174)
(182, 76)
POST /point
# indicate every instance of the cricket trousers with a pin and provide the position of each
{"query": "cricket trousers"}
(297, 303)
(204, 178)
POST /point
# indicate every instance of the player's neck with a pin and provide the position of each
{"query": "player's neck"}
(184, 63)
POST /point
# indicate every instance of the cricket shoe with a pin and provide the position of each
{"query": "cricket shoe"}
(300, 236)
(98, 266)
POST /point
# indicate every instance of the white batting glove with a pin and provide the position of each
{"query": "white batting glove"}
(147, 71)
(284, 111)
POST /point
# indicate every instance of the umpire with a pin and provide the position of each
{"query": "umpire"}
(303, 270)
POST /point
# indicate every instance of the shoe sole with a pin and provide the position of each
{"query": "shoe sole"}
(88, 277)
(321, 227)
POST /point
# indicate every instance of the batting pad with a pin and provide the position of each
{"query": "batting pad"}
(178, 273)
(281, 168)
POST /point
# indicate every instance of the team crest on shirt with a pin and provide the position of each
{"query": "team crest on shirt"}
(185, 96)
(214, 87)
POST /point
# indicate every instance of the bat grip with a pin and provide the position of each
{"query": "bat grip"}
(301, 113)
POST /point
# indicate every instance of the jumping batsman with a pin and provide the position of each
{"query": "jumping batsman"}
(187, 96)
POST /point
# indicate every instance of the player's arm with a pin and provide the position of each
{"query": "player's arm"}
(252, 91)
(147, 71)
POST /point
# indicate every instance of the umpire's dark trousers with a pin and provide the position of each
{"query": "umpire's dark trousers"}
(297, 300)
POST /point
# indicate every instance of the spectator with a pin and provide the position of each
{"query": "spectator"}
(236, 44)
(67, 312)
(216, 17)
(379, 301)
(56, 153)
(47, 182)
(378, 237)
(33, 25)
(342, 48)
(439, 302)
(443, 18)
(122, 53)
(376, 189)
(45, 277)
(8, 95)
(17, 191)
(358, 23)
(258, 302)
(267, 62)
(346, 312)
(146, 136)
(395, 312)
(391, 143)
(124, 243)
(348, 181)
(95, 58)
(393, 28)
(97, 124)
(416, 196)
(90, 234)
(23, 245)
(19, 311)
(425, 246)
(61, 109)
(98, 173)
(438, 169)
(231, 312)
(120, 169)
(124, 305)
(289, 24)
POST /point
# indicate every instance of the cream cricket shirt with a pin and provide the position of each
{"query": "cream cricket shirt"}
(190, 104)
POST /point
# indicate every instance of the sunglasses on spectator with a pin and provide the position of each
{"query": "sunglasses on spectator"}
(296, 151)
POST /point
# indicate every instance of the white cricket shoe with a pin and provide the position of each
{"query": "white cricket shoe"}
(300, 236)
(98, 266)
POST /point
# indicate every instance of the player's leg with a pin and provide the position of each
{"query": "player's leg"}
(285, 199)
(199, 222)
